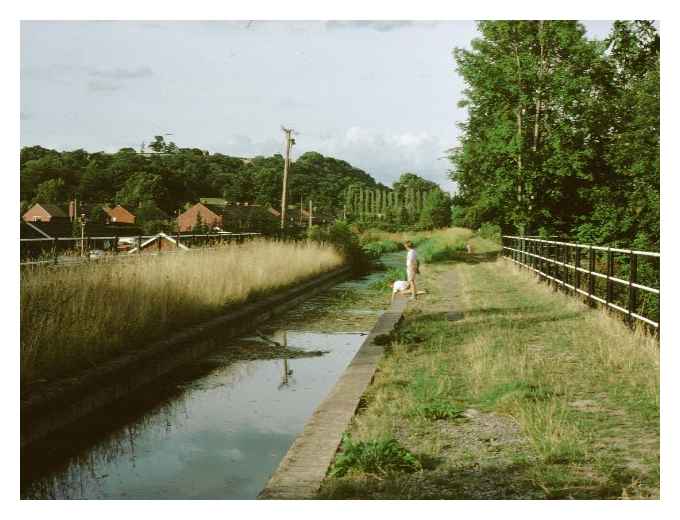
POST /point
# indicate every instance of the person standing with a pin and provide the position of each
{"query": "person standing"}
(411, 266)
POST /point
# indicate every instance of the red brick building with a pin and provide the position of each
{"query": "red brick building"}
(120, 215)
(41, 212)
(226, 216)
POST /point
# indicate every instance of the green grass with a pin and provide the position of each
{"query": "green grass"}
(379, 457)
(529, 394)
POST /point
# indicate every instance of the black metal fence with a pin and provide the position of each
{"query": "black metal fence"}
(70, 251)
(625, 280)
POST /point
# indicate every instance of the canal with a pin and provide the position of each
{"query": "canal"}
(217, 428)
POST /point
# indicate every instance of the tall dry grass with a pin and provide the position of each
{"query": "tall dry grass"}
(75, 317)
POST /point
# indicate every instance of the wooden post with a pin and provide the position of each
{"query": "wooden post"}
(54, 251)
(286, 166)
(610, 273)
(565, 269)
(591, 268)
(632, 292)
(115, 245)
(577, 264)
(139, 245)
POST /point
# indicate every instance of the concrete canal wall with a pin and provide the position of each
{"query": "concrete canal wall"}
(302, 470)
(58, 404)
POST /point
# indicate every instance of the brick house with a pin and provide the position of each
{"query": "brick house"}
(222, 215)
(120, 214)
(43, 212)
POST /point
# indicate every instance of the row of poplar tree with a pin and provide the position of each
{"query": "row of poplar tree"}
(562, 135)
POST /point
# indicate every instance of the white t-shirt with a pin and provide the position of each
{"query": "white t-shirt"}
(399, 285)
(411, 258)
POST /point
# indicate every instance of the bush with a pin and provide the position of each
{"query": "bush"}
(379, 248)
(341, 236)
(439, 250)
(377, 457)
(490, 232)
(386, 281)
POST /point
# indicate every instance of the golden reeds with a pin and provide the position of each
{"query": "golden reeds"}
(75, 317)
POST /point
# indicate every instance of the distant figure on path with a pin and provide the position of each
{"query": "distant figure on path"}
(411, 266)
(400, 287)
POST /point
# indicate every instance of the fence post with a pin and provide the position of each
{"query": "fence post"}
(177, 243)
(54, 251)
(565, 259)
(632, 293)
(139, 245)
(577, 266)
(610, 272)
(591, 278)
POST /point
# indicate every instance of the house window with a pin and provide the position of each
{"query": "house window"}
(36, 218)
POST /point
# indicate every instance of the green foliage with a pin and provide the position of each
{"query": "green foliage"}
(490, 232)
(436, 212)
(563, 132)
(431, 397)
(380, 247)
(174, 176)
(439, 249)
(341, 236)
(385, 282)
(52, 191)
(379, 457)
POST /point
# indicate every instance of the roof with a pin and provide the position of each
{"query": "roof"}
(213, 200)
(53, 209)
(61, 229)
(157, 237)
(28, 230)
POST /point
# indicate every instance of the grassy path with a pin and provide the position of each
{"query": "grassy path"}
(501, 388)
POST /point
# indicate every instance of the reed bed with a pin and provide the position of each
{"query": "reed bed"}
(72, 318)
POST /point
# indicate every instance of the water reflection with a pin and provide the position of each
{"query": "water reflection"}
(220, 435)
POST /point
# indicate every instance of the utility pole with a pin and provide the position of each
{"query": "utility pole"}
(82, 235)
(286, 166)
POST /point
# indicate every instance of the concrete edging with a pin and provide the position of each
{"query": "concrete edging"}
(60, 403)
(300, 473)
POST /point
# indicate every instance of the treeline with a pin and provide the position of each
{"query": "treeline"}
(413, 203)
(562, 135)
(165, 181)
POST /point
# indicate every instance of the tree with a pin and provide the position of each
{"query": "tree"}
(51, 191)
(436, 212)
(530, 147)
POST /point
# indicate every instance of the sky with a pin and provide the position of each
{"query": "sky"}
(381, 95)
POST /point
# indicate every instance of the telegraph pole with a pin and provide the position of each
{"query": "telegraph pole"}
(286, 166)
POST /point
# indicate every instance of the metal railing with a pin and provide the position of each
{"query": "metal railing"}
(48, 249)
(619, 279)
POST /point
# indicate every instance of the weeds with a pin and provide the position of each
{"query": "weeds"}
(378, 457)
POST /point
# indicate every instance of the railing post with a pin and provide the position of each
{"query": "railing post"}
(139, 245)
(610, 272)
(54, 251)
(565, 260)
(115, 245)
(591, 278)
(632, 292)
(577, 266)
(177, 243)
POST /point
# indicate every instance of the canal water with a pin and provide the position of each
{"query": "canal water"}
(217, 428)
